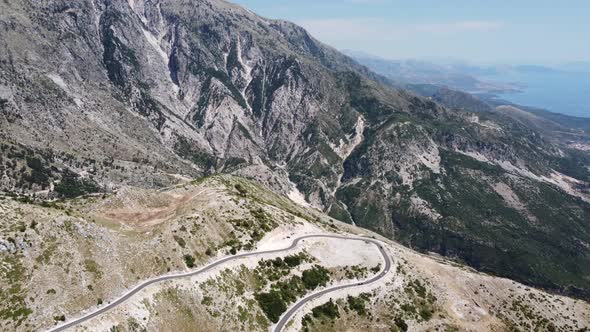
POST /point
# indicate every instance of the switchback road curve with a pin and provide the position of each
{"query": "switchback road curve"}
(211, 266)
(294, 308)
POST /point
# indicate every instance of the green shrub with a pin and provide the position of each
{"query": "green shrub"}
(207, 300)
(358, 303)
(329, 310)
(376, 268)
(314, 277)
(243, 192)
(189, 261)
(272, 304)
(293, 260)
(291, 289)
(419, 288)
(425, 314)
(39, 173)
(305, 321)
(401, 324)
(60, 318)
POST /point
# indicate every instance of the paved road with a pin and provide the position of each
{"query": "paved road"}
(289, 314)
(204, 269)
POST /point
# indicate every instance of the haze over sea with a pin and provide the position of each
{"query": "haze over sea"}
(562, 92)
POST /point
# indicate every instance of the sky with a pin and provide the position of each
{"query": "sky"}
(495, 31)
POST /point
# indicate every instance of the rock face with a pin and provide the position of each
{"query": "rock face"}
(136, 92)
(205, 81)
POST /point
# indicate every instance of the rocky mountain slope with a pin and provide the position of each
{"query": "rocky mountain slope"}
(61, 259)
(96, 94)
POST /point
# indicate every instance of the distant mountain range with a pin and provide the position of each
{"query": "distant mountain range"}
(561, 89)
(450, 82)
(455, 75)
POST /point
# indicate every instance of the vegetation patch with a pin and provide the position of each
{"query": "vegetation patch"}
(315, 277)
(328, 310)
(232, 286)
(13, 306)
(72, 185)
(358, 304)
(254, 227)
(274, 302)
(189, 260)
(275, 269)
(355, 272)
(186, 149)
(92, 267)
(422, 303)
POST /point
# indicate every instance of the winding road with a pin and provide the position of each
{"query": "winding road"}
(284, 319)
(294, 308)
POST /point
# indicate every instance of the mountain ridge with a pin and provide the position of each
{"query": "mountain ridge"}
(108, 93)
(75, 256)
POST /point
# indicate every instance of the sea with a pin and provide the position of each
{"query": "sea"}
(554, 90)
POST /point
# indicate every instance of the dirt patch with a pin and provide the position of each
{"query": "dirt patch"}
(141, 211)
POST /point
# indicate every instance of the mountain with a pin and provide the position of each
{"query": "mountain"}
(451, 98)
(579, 127)
(75, 257)
(456, 76)
(97, 95)
(562, 129)
(560, 88)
